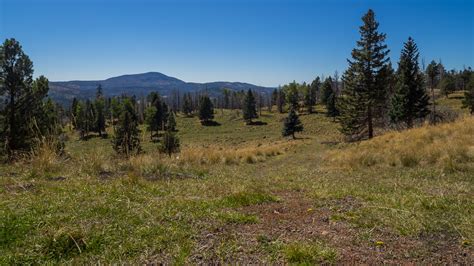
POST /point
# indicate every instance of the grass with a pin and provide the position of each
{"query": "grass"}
(92, 206)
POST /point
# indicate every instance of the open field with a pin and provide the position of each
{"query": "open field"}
(243, 194)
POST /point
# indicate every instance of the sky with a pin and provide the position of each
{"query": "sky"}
(264, 42)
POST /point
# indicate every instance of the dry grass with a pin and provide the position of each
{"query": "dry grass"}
(448, 147)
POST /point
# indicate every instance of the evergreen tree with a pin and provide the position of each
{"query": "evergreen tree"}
(369, 63)
(150, 121)
(468, 101)
(326, 90)
(206, 109)
(126, 139)
(281, 101)
(74, 112)
(249, 110)
(331, 105)
(99, 109)
(433, 73)
(170, 143)
(187, 105)
(171, 123)
(410, 100)
(81, 119)
(311, 94)
(292, 95)
(447, 85)
(23, 105)
(292, 124)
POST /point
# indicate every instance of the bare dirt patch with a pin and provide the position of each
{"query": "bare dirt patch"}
(296, 218)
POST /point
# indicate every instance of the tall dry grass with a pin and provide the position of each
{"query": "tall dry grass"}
(448, 147)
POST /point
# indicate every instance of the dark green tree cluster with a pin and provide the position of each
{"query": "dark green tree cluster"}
(27, 116)
(156, 115)
(188, 108)
(89, 116)
(311, 94)
(468, 101)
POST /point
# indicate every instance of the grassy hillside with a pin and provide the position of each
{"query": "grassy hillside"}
(244, 194)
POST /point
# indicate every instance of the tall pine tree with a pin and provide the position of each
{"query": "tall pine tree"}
(410, 100)
(126, 139)
(249, 110)
(206, 110)
(369, 81)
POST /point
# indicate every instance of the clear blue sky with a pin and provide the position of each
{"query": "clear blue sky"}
(261, 42)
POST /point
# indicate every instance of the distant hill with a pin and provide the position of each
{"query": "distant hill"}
(140, 84)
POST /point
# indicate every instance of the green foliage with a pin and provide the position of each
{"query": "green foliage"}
(206, 109)
(326, 90)
(126, 139)
(171, 123)
(99, 114)
(281, 100)
(309, 253)
(367, 90)
(249, 110)
(310, 94)
(331, 105)
(410, 100)
(468, 101)
(170, 143)
(292, 95)
(24, 115)
(187, 104)
(447, 84)
(292, 124)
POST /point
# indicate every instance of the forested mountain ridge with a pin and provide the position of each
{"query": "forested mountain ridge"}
(140, 84)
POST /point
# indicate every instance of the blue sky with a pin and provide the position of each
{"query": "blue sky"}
(262, 42)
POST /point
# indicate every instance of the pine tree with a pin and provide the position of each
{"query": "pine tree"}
(187, 105)
(292, 124)
(326, 90)
(331, 105)
(150, 121)
(311, 94)
(126, 139)
(468, 101)
(206, 110)
(170, 142)
(81, 119)
(447, 85)
(171, 123)
(292, 95)
(281, 101)
(23, 100)
(74, 112)
(249, 110)
(99, 123)
(410, 100)
(369, 62)
(433, 72)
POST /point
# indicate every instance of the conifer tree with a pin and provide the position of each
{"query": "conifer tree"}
(187, 104)
(126, 139)
(99, 123)
(292, 95)
(447, 85)
(433, 72)
(410, 100)
(23, 100)
(206, 109)
(74, 112)
(292, 124)
(369, 89)
(170, 142)
(331, 105)
(171, 123)
(326, 90)
(281, 100)
(249, 110)
(150, 121)
(311, 92)
(468, 101)
(81, 119)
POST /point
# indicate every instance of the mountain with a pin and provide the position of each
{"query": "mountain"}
(140, 84)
